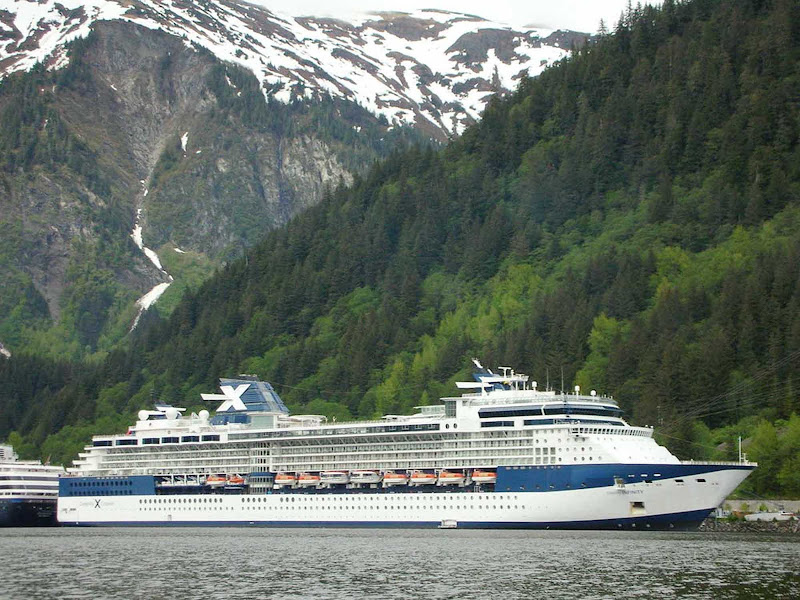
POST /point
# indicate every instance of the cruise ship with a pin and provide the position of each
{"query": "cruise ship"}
(504, 454)
(28, 491)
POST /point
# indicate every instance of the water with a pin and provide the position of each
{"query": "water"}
(379, 563)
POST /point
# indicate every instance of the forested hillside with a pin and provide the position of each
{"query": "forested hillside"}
(628, 221)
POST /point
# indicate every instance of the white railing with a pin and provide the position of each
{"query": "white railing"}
(724, 463)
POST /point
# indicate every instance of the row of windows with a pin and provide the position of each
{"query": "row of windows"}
(155, 441)
(329, 498)
(531, 411)
(99, 483)
(347, 507)
(328, 432)
(102, 493)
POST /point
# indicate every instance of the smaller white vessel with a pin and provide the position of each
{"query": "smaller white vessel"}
(28, 491)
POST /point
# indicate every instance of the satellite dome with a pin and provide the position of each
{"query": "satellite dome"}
(203, 415)
(142, 415)
(172, 413)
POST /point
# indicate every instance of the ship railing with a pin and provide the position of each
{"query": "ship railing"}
(283, 425)
(607, 429)
(528, 396)
(723, 463)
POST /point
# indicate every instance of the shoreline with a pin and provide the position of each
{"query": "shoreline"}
(722, 525)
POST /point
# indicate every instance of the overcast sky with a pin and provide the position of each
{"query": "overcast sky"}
(578, 15)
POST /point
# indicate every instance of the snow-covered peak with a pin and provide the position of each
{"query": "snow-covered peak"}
(411, 67)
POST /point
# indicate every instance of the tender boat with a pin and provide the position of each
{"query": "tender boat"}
(334, 477)
(234, 481)
(448, 524)
(361, 476)
(285, 479)
(216, 481)
(391, 478)
(422, 478)
(308, 480)
(481, 476)
(451, 478)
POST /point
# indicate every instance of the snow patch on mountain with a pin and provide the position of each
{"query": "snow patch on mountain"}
(155, 293)
(421, 66)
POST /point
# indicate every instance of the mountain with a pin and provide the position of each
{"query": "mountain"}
(145, 144)
(432, 69)
(627, 221)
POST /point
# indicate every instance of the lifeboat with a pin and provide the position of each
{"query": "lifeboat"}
(234, 481)
(393, 478)
(451, 478)
(334, 477)
(481, 476)
(215, 481)
(423, 478)
(308, 480)
(365, 476)
(282, 479)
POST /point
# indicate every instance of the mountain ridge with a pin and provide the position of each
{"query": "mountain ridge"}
(429, 68)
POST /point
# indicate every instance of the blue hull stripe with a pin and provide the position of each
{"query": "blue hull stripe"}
(550, 478)
(683, 520)
(539, 478)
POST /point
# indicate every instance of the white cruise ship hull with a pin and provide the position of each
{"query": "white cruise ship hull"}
(653, 503)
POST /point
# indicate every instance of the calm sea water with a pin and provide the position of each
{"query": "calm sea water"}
(377, 563)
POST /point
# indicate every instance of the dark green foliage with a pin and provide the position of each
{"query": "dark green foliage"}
(33, 134)
(628, 220)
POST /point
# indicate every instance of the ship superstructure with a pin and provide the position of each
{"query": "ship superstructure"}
(503, 454)
(28, 491)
